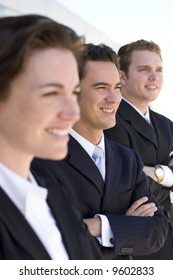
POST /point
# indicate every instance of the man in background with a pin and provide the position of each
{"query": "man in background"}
(106, 179)
(142, 129)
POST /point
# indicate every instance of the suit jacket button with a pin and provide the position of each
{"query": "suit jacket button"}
(130, 250)
(126, 251)
(123, 250)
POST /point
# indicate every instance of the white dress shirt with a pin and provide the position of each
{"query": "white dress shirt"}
(168, 178)
(89, 148)
(30, 199)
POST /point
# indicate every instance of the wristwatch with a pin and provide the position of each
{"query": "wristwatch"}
(159, 173)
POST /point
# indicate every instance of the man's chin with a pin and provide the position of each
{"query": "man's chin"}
(110, 125)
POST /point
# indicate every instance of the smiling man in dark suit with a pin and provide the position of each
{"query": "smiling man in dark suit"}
(114, 200)
(140, 128)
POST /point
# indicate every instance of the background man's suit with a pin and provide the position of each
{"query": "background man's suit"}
(153, 144)
(125, 183)
(20, 241)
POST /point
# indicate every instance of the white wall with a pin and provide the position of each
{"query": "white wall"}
(60, 14)
(164, 102)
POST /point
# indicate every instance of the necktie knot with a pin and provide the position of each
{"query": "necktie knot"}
(147, 120)
(97, 154)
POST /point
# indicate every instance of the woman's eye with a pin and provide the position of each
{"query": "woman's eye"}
(50, 93)
(76, 92)
(119, 87)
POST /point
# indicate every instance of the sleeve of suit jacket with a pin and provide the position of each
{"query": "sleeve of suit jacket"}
(120, 134)
(132, 235)
(138, 235)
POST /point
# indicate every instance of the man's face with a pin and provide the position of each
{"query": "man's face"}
(145, 77)
(100, 95)
(42, 106)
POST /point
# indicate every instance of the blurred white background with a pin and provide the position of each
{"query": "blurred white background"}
(113, 22)
(128, 20)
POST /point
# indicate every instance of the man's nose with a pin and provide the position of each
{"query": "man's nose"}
(154, 76)
(114, 96)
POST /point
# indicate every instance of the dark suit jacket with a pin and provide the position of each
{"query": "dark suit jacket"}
(125, 183)
(153, 144)
(19, 242)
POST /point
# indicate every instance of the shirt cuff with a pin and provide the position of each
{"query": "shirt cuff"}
(168, 178)
(106, 232)
(171, 155)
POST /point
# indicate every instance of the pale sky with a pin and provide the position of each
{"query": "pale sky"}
(128, 20)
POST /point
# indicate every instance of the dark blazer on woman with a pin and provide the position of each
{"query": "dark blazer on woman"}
(19, 242)
(125, 183)
(153, 144)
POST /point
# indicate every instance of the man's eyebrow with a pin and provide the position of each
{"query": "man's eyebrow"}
(100, 84)
(148, 66)
(104, 84)
(143, 66)
(160, 67)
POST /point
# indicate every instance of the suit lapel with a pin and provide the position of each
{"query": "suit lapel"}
(113, 171)
(20, 229)
(129, 114)
(163, 137)
(81, 161)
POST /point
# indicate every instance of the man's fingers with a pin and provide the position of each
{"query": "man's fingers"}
(136, 205)
(143, 210)
(147, 211)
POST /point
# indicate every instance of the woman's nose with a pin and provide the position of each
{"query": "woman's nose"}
(70, 110)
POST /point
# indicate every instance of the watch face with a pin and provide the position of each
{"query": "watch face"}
(159, 172)
(171, 196)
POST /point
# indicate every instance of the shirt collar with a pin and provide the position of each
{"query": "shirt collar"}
(18, 188)
(88, 146)
(147, 114)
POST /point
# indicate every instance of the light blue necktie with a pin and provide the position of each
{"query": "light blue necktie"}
(148, 121)
(98, 157)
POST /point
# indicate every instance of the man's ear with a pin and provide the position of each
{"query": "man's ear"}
(123, 77)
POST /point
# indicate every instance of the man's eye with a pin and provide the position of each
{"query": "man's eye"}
(101, 87)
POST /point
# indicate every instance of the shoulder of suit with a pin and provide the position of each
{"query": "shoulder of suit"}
(160, 116)
(119, 148)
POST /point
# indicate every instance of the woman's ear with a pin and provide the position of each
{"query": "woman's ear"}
(123, 77)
